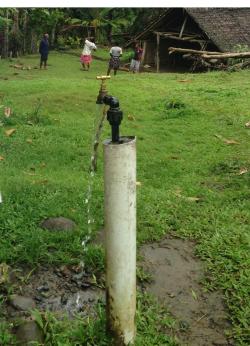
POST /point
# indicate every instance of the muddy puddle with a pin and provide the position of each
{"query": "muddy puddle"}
(66, 290)
(176, 275)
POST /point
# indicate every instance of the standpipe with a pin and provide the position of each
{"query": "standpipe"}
(120, 228)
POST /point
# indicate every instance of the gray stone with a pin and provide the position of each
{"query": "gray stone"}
(28, 333)
(22, 303)
(58, 224)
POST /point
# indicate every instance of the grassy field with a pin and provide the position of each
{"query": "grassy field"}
(191, 142)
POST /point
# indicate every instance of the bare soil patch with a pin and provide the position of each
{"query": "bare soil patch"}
(202, 318)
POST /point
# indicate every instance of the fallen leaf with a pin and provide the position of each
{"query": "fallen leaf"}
(184, 81)
(10, 132)
(43, 164)
(4, 273)
(190, 199)
(194, 294)
(7, 112)
(177, 192)
(227, 141)
(138, 183)
(242, 171)
(1, 158)
(29, 140)
(29, 173)
(230, 141)
(193, 199)
(247, 124)
(131, 117)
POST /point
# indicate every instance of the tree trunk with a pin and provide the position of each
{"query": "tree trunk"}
(33, 43)
(53, 35)
(15, 33)
(6, 35)
(24, 30)
(158, 53)
(109, 29)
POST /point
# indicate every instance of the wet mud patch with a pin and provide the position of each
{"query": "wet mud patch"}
(67, 290)
(201, 317)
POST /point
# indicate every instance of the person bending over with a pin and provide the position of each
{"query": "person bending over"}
(114, 62)
(86, 57)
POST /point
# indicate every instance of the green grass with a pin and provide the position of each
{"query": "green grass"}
(180, 128)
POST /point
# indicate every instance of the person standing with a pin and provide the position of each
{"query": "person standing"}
(44, 51)
(86, 57)
(114, 62)
(136, 60)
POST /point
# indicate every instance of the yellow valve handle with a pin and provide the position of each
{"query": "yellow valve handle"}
(102, 77)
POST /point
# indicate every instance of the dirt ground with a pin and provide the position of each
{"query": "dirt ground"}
(176, 276)
(68, 289)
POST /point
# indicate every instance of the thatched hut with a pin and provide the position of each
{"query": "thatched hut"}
(210, 29)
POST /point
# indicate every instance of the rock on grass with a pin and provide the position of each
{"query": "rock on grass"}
(58, 224)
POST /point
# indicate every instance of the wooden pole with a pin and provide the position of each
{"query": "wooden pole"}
(183, 27)
(144, 52)
(226, 55)
(191, 51)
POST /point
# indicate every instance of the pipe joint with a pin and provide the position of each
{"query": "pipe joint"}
(114, 116)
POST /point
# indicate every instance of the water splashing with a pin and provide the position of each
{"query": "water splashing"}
(97, 130)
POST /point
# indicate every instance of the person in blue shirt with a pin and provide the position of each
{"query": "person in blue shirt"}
(44, 51)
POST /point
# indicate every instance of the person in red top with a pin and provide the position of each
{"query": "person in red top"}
(136, 60)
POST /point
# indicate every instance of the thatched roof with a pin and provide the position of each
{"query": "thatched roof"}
(225, 27)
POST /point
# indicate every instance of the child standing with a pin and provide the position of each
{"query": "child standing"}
(136, 60)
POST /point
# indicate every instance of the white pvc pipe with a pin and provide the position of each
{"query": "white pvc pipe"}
(120, 237)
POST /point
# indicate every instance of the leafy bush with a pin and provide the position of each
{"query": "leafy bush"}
(61, 42)
(73, 42)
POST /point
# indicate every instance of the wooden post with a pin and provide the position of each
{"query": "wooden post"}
(144, 52)
(183, 27)
(157, 53)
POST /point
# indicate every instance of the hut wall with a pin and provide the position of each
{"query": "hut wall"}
(149, 52)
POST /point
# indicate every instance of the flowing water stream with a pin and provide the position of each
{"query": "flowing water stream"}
(97, 130)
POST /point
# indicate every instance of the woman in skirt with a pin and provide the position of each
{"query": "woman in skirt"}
(86, 57)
